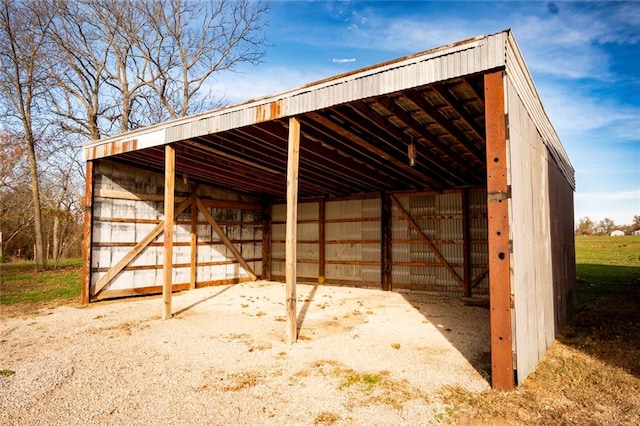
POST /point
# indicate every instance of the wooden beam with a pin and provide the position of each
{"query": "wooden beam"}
(135, 251)
(194, 237)
(293, 159)
(466, 246)
(384, 158)
(321, 241)
(226, 240)
(86, 235)
(426, 240)
(169, 195)
(266, 242)
(502, 376)
(385, 241)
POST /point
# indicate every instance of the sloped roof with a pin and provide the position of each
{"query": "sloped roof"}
(356, 128)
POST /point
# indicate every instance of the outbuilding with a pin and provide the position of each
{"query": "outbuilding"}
(439, 172)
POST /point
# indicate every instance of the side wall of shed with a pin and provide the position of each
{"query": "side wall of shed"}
(541, 216)
(128, 208)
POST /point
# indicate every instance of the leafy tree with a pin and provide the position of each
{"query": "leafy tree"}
(605, 226)
(585, 226)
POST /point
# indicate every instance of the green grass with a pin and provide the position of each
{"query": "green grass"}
(591, 374)
(20, 284)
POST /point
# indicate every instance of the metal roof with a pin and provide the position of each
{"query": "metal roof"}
(356, 129)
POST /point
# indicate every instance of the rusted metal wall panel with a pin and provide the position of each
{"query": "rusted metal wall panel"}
(127, 209)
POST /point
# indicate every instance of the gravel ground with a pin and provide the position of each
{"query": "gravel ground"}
(363, 357)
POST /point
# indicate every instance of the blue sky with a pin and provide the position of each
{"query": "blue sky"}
(583, 56)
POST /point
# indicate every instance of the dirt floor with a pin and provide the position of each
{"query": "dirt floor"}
(363, 357)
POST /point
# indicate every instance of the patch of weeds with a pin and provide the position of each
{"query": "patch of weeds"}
(239, 381)
(326, 418)
(370, 388)
(7, 373)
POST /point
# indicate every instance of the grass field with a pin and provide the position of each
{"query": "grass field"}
(590, 375)
(27, 291)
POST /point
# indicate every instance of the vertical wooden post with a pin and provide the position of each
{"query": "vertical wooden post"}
(194, 237)
(385, 241)
(86, 234)
(169, 195)
(502, 377)
(321, 245)
(466, 243)
(266, 242)
(292, 224)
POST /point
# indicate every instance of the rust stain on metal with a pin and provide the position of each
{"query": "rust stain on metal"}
(268, 111)
(275, 108)
(498, 229)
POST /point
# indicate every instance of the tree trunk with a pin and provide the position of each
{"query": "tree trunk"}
(56, 238)
(37, 210)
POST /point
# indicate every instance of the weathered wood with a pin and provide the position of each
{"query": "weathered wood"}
(321, 241)
(293, 158)
(502, 377)
(140, 291)
(466, 250)
(226, 240)
(193, 273)
(126, 195)
(177, 265)
(266, 242)
(426, 240)
(139, 196)
(385, 242)
(169, 207)
(86, 235)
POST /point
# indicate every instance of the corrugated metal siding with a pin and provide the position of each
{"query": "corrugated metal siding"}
(440, 217)
(120, 223)
(471, 56)
(525, 89)
(532, 279)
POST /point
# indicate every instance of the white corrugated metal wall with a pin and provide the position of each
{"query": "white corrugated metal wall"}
(127, 207)
(532, 276)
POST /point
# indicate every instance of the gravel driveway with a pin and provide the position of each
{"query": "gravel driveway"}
(363, 357)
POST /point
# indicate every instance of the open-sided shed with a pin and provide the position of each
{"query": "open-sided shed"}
(439, 172)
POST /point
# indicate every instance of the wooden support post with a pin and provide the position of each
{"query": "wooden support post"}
(169, 195)
(385, 241)
(321, 239)
(266, 242)
(502, 377)
(194, 237)
(291, 227)
(466, 243)
(86, 234)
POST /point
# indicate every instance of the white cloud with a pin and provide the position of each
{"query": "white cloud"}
(342, 60)
(572, 110)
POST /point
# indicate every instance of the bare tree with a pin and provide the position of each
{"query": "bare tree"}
(23, 82)
(189, 41)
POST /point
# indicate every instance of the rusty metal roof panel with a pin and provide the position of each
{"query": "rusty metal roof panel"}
(470, 56)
